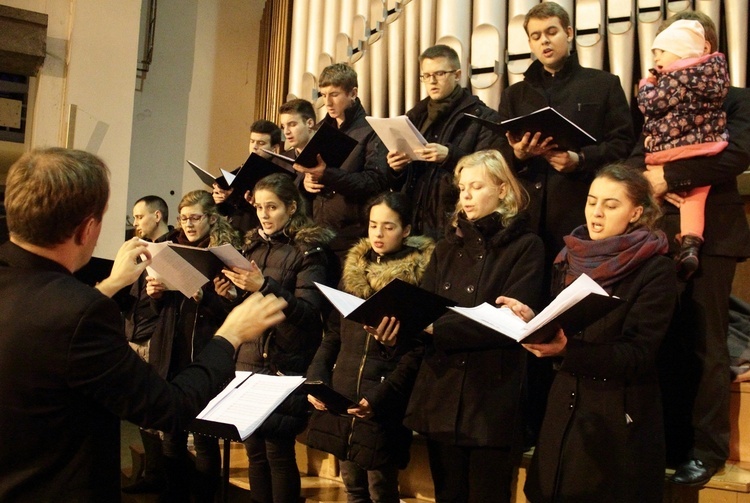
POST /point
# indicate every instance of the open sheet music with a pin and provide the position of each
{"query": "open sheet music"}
(398, 134)
(580, 304)
(244, 404)
(187, 268)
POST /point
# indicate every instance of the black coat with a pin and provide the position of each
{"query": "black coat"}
(357, 366)
(468, 391)
(340, 206)
(291, 267)
(602, 438)
(430, 184)
(593, 100)
(67, 378)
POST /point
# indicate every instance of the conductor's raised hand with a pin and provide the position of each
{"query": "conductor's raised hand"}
(250, 319)
(386, 333)
(128, 266)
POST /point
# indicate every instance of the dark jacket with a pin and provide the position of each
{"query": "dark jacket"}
(602, 438)
(184, 326)
(357, 366)
(593, 100)
(430, 184)
(468, 390)
(291, 267)
(348, 187)
(726, 233)
(67, 378)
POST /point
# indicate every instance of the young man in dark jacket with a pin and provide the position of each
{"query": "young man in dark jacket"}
(339, 193)
(450, 135)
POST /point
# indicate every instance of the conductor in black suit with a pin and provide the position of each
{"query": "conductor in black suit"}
(67, 374)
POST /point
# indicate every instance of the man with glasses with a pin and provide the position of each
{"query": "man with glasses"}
(450, 135)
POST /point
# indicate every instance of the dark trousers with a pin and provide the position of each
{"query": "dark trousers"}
(471, 474)
(694, 366)
(370, 486)
(183, 480)
(273, 473)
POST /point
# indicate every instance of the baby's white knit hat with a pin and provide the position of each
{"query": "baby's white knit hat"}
(684, 37)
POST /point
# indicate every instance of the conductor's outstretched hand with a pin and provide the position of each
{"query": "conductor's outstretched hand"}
(250, 319)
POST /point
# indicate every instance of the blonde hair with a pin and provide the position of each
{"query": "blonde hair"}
(497, 172)
(221, 231)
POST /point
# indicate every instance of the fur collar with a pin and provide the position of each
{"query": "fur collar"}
(362, 277)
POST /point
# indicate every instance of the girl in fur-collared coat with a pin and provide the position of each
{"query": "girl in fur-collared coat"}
(372, 368)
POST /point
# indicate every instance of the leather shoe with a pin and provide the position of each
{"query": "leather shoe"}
(693, 473)
(143, 486)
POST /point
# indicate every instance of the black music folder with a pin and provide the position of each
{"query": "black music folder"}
(414, 307)
(334, 401)
(208, 178)
(254, 169)
(548, 121)
(333, 146)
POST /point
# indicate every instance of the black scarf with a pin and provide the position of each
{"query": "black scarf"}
(436, 108)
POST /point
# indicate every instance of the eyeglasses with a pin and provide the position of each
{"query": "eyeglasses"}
(439, 75)
(191, 218)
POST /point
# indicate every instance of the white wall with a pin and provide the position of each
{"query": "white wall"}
(197, 101)
(90, 63)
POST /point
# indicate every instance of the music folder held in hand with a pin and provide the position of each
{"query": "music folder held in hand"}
(334, 401)
(333, 146)
(580, 304)
(398, 134)
(187, 268)
(243, 178)
(414, 307)
(547, 121)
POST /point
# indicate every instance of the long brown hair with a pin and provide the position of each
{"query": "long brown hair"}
(221, 231)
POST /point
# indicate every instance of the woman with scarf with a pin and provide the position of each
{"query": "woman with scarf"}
(602, 438)
(375, 366)
(288, 253)
(184, 326)
(467, 397)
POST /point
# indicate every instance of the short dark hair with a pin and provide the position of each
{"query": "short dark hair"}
(50, 192)
(263, 126)
(546, 10)
(300, 107)
(339, 75)
(638, 190)
(709, 28)
(399, 202)
(441, 51)
(154, 203)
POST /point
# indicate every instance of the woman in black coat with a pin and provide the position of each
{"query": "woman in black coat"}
(359, 363)
(467, 397)
(288, 254)
(602, 438)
